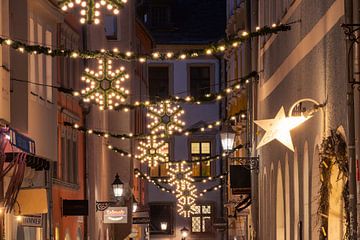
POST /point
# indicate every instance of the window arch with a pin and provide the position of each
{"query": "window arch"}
(296, 195)
(306, 194)
(280, 216)
(287, 197)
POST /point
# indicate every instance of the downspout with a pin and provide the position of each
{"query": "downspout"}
(85, 111)
(351, 125)
(222, 113)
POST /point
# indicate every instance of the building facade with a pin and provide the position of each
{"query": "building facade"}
(299, 65)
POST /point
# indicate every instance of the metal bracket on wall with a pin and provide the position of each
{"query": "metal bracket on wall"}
(251, 163)
(352, 32)
(102, 206)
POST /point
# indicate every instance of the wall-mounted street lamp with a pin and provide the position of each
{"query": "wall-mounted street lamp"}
(184, 233)
(227, 136)
(163, 226)
(118, 189)
(134, 205)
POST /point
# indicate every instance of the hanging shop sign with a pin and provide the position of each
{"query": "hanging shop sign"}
(32, 221)
(75, 207)
(141, 217)
(116, 215)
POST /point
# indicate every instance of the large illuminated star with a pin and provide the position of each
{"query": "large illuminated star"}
(279, 128)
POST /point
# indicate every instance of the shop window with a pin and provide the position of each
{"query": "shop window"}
(201, 220)
(159, 82)
(200, 80)
(161, 213)
(200, 151)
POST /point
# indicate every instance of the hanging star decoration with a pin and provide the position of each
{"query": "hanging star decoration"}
(104, 87)
(180, 177)
(279, 128)
(152, 151)
(165, 118)
(90, 9)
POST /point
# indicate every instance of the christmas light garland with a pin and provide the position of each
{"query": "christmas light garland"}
(90, 9)
(142, 58)
(146, 177)
(123, 136)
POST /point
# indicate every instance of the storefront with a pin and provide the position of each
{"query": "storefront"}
(25, 188)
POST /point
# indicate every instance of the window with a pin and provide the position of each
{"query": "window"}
(49, 74)
(199, 151)
(201, 220)
(161, 213)
(66, 168)
(69, 75)
(40, 66)
(158, 82)
(200, 80)
(162, 169)
(111, 27)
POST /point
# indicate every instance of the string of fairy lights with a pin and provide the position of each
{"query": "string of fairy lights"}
(158, 183)
(218, 48)
(123, 136)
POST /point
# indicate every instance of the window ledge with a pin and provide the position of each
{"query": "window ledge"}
(62, 183)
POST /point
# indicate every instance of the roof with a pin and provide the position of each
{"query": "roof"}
(192, 22)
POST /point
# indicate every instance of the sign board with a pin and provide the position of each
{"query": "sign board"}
(75, 207)
(4, 93)
(21, 141)
(141, 217)
(116, 215)
(32, 221)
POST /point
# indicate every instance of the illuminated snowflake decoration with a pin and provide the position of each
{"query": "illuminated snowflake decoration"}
(186, 200)
(180, 177)
(90, 9)
(104, 87)
(152, 152)
(180, 174)
(165, 118)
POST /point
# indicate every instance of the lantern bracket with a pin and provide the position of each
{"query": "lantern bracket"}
(102, 206)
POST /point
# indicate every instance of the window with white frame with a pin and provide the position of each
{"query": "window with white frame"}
(40, 66)
(111, 32)
(201, 220)
(201, 150)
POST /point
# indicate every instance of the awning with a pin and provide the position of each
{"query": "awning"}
(32, 161)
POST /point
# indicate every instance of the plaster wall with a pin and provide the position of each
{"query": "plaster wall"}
(306, 62)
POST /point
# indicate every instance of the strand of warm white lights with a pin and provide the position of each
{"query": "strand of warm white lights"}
(206, 98)
(128, 55)
(124, 136)
(207, 160)
(90, 9)
(144, 176)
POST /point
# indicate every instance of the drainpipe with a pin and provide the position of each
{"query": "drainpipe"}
(223, 166)
(351, 125)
